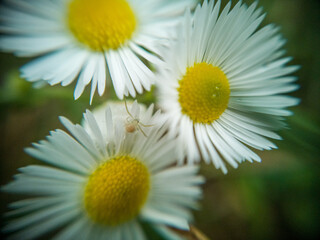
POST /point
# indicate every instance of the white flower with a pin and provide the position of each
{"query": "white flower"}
(92, 40)
(101, 185)
(222, 84)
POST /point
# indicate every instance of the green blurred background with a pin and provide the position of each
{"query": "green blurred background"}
(276, 199)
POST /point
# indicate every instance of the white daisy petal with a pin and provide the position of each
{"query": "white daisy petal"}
(45, 153)
(179, 174)
(115, 73)
(201, 142)
(126, 77)
(29, 6)
(245, 152)
(62, 142)
(142, 71)
(82, 137)
(221, 146)
(145, 54)
(166, 232)
(30, 205)
(39, 68)
(153, 215)
(29, 185)
(93, 86)
(72, 231)
(38, 216)
(252, 139)
(48, 172)
(49, 224)
(31, 46)
(93, 125)
(101, 73)
(86, 75)
(215, 157)
(131, 71)
(135, 231)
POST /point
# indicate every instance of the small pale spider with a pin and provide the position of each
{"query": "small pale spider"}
(134, 124)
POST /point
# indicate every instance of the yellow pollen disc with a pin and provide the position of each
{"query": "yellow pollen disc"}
(101, 24)
(117, 190)
(203, 93)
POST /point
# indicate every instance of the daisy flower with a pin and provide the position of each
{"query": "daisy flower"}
(103, 185)
(222, 85)
(95, 41)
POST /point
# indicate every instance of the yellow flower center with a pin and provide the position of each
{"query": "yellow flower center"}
(101, 24)
(203, 93)
(117, 190)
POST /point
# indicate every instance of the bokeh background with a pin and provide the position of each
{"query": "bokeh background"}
(276, 199)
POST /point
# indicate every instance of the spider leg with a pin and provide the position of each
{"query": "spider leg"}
(142, 131)
(143, 125)
(125, 104)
